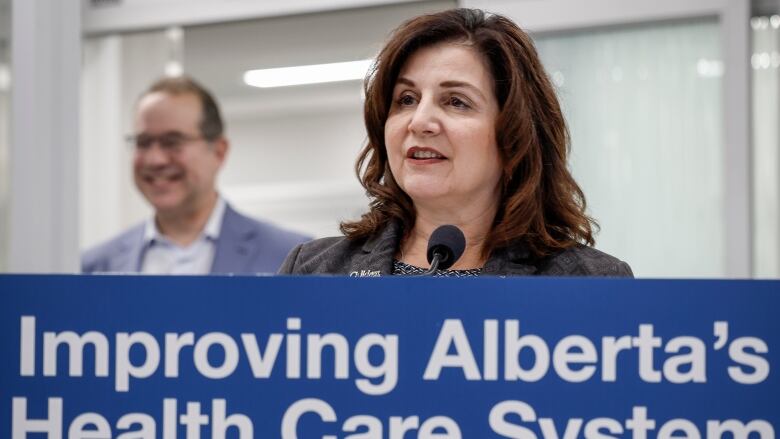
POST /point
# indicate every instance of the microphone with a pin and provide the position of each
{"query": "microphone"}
(445, 246)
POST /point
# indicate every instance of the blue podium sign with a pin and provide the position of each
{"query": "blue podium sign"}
(135, 357)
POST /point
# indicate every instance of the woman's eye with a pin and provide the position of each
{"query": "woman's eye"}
(406, 100)
(458, 102)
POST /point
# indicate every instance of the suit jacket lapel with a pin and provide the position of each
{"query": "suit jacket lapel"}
(128, 256)
(377, 253)
(234, 245)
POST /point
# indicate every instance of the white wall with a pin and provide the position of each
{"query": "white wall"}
(43, 213)
(297, 169)
(5, 126)
(102, 159)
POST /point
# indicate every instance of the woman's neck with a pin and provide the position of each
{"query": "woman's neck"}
(474, 223)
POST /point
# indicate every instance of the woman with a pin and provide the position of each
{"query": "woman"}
(464, 128)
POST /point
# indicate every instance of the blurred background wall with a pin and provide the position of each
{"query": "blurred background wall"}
(5, 122)
(672, 105)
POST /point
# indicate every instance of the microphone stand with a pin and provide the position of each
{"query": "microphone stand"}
(438, 258)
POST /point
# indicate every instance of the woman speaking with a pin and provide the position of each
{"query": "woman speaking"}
(464, 129)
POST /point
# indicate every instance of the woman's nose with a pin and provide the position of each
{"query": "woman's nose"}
(425, 120)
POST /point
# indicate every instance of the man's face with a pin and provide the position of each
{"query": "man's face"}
(174, 167)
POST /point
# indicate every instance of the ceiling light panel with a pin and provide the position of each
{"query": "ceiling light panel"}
(311, 74)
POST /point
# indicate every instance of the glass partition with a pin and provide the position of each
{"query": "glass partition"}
(644, 109)
(765, 65)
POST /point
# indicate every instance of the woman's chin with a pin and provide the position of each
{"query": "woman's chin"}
(428, 196)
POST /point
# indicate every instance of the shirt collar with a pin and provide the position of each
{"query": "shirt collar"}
(210, 231)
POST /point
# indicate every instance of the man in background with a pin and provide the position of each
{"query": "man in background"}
(180, 147)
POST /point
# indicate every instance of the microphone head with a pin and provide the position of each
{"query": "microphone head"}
(448, 241)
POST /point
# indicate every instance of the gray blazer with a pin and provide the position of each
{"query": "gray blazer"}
(245, 246)
(374, 257)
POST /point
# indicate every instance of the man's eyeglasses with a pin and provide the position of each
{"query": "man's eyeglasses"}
(168, 142)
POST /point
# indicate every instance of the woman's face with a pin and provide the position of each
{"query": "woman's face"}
(440, 131)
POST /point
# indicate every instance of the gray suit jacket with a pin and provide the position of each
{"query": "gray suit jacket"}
(244, 246)
(374, 257)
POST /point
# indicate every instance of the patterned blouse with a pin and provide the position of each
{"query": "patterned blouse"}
(404, 269)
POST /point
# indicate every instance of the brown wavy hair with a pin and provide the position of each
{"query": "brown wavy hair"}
(540, 204)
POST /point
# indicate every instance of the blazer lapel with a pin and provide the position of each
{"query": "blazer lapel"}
(377, 253)
(128, 255)
(234, 245)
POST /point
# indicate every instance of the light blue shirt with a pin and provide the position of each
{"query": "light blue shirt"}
(163, 256)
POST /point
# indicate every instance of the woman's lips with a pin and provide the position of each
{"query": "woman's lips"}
(424, 155)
